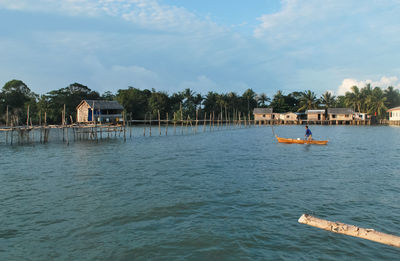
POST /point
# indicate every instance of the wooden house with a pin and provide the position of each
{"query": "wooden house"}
(261, 114)
(394, 114)
(99, 110)
(340, 114)
(289, 116)
(315, 115)
(360, 116)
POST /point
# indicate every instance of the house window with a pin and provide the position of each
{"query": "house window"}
(263, 115)
(346, 115)
(333, 116)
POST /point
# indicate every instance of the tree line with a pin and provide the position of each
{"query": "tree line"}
(16, 97)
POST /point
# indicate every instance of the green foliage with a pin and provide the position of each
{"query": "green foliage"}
(53, 102)
(135, 101)
(17, 96)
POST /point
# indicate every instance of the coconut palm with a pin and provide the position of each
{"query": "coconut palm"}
(392, 97)
(308, 101)
(354, 98)
(328, 99)
(262, 99)
(376, 103)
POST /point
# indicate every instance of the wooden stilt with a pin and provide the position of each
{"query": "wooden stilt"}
(174, 123)
(27, 117)
(204, 121)
(159, 122)
(181, 119)
(166, 128)
(144, 125)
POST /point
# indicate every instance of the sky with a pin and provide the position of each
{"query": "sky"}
(222, 46)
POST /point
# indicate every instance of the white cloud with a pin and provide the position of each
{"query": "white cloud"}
(105, 78)
(149, 14)
(202, 84)
(384, 82)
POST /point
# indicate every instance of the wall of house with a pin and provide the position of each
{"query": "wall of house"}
(394, 116)
(288, 117)
(341, 117)
(82, 113)
(262, 117)
(314, 117)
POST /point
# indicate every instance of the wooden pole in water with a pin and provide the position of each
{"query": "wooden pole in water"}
(130, 125)
(197, 119)
(350, 230)
(45, 118)
(174, 123)
(159, 122)
(7, 124)
(204, 121)
(210, 121)
(144, 128)
(226, 117)
(150, 123)
(7, 116)
(166, 128)
(27, 117)
(124, 115)
(181, 119)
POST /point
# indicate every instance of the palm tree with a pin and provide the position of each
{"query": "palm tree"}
(376, 102)
(392, 97)
(308, 101)
(262, 99)
(328, 99)
(354, 98)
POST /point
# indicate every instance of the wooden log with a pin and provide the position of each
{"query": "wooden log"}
(350, 230)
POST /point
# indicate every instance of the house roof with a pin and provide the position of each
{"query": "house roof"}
(340, 111)
(262, 110)
(102, 104)
(394, 109)
(314, 111)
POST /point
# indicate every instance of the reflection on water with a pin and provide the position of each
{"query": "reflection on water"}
(233, 194)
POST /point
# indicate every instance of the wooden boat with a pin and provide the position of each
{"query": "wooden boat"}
(299, 141)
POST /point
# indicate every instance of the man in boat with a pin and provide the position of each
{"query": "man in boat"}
(308, 134)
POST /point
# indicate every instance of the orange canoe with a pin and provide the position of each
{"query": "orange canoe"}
(299, 141)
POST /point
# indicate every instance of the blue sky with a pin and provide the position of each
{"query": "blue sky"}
(223, 46)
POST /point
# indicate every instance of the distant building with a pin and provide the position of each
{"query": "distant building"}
(315, 115)
(261, 114)
(99, 110)
(340, 114)
(394, 114)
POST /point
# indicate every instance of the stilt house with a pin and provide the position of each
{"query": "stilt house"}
(340, 114)
(99, 110)
(261, 114)
(394, 114)
(315, 115)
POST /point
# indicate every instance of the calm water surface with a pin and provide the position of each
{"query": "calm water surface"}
(227, 195)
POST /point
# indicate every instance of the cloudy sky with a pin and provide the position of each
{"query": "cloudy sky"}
(224, 45)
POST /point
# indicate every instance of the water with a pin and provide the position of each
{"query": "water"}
(227, 195)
